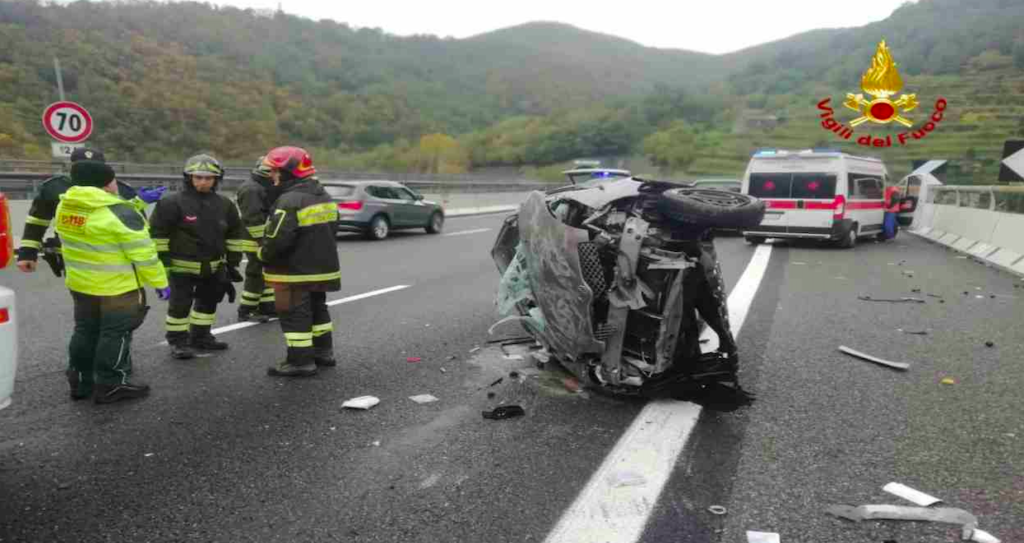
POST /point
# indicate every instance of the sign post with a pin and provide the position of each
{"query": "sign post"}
(1012, 166)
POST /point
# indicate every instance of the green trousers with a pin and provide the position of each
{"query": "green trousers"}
(100, 349)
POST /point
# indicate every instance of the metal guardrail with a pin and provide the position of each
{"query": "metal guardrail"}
(24, 184)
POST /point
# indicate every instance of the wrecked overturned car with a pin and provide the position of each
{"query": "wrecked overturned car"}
(612, 277)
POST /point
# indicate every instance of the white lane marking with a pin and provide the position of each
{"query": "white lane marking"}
(611, 513)
(241, 325)
(464, 232)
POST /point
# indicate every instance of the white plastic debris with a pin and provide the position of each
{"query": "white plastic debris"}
(620, 479)
(913, 496)
(981, 536)
(948, 515)
(763, 537)
(362, 402)
(423, 398)
(514, 357)
(717, 510)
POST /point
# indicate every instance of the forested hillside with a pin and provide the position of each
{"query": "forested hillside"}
(164, 80)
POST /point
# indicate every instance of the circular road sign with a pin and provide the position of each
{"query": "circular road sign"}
(67, 122)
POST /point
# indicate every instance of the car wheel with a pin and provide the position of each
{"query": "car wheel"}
(850, 241)
(436, 223)
(754, 240)
(379, 228)
(709, 207)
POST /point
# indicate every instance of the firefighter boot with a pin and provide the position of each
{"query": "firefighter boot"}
(181, 351)
(203, 340)
(285, 369)
(324, 358)
(80, 389)
(116, 393)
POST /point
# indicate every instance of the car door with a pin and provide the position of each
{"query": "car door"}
(776, 191)
(383, 200)
(419, 213)
(910, 189)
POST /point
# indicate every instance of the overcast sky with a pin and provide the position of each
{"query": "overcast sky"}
(710, 26)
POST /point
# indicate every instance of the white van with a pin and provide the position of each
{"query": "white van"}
(816, 194)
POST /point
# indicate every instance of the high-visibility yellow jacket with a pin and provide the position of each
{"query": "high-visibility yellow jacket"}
(107, 248)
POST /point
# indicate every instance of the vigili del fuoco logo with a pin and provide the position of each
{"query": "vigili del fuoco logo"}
(880, 83)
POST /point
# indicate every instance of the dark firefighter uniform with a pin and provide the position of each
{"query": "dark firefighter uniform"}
(300, 259)
(109, 256)
(44, 207)
(254, 199)
(200, 239)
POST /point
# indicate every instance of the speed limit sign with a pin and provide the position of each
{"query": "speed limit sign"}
(67, 122)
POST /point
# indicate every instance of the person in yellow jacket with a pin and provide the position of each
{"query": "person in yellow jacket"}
(108, 257)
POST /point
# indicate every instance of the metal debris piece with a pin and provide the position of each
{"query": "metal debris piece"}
(514, 374)
(948, 515)
(413, 359)
(423, 398)
(903, 300)
(444, 370)
(763, 537)
(498, 382)
(989, 344)
(895, 365)
(514, 357)
(913, 496)
(717, 510)
(504, 412)
(362, 402)
(474, 349)
(934, 296)
(914, 332)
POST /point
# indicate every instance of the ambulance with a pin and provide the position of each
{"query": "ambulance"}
(819, 194)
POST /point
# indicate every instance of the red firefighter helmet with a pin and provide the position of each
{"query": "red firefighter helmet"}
(294, 160)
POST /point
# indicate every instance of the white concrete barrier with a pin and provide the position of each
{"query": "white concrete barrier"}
(985, 222)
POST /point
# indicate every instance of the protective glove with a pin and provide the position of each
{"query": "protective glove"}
(229, 289)
(163, 293)
(151, 195)
(234, 275)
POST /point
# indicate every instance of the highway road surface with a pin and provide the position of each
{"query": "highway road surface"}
(221, 452)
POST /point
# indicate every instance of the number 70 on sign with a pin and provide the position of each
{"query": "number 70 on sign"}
(67, 122)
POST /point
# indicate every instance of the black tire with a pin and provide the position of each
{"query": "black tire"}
(711, 208)
(379, 228)
(850, 240)
(754, 240)
(436, 223)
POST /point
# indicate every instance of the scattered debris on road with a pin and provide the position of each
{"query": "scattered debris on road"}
(423, 398)
(798, 263)
(474, 349)
(914, 332)
(948, 381)
(514, 374)
(444, 370)
(498, 382)
(990, 344)
(362, 402)
(948, 515)
(895, 365)
(514, 357)
(915, 290)
(413, 359)
(904, 300)
(504, 412)
(621, 479)
(571, 384)
(913, 496)
(717, 510)
(934, 296)
(763, 537)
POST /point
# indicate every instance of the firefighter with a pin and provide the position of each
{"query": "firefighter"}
(254, 199)
(109, 256)
(300, 262)
(44, 205)
(200, 239)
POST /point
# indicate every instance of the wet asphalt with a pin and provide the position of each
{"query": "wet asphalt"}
(221, 452)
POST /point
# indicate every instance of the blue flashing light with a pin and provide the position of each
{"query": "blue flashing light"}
(764, 152)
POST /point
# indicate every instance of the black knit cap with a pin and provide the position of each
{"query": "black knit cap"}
(83, 153)
(91, 173)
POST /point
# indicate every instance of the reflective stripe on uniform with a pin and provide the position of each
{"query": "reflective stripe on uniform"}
(107, 247)
(191, 267)
(249, 298)
(321, 329)
(298, 339)
(268, 295)
(242, 245)
(278, 278)
(36, 221)
(318, 214)
(162, 244)
(201, 319)
(98, 267)
(32, 244)
(257, 231)
(176, 325)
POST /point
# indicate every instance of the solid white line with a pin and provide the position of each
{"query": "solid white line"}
(241, 325)
(621, 495)
(464, 232)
